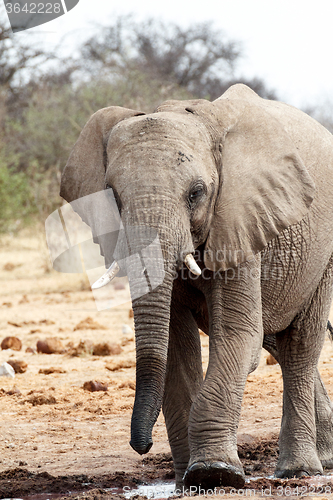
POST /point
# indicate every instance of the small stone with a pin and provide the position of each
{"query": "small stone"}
(18, 365)
(11, 343)
(84, 347)
(49, 371)
(106, 349)
(126, 330)
(9, 266)
(31, 350)
(131, 313)
(113, 367)
(95, 385)
(6, 370)
(270, 360)
(51, 345)
(41, 399)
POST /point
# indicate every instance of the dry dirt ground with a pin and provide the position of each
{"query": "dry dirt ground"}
(60, 439)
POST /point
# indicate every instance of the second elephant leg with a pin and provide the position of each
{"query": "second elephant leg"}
(299, 347)
(323, 410)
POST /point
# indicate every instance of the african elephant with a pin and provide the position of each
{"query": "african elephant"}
(241, 190)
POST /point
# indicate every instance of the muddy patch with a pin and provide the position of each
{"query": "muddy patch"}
(154, 479)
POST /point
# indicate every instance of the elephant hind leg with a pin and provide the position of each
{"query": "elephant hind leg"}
(323, 410)
(298, 349)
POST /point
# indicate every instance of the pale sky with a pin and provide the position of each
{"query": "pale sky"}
(288, 43)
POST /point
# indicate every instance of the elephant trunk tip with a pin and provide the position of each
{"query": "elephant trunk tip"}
(141, 448)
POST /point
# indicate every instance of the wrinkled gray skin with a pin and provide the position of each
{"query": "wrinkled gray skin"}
(251, 180)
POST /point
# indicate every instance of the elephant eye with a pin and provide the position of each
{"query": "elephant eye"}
(195, 194)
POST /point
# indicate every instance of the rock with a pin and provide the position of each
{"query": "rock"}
(9, 266)
(131, 313)
(113, 367)
(19, 366)
(270, 360)
(89, 324)
(41, 399)
(30, 349)
(106, 349)
(49, 371)
(126, 330)
(51, 345)
(84, 347)
(95, 385)
(11, 343)
(6, 370)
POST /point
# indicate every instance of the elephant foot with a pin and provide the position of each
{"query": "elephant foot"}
(209, 475)
(291, 473)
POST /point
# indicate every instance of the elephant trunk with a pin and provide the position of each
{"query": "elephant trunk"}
(152, 242)
(151, 316)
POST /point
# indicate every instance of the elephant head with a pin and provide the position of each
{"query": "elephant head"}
(223, 175)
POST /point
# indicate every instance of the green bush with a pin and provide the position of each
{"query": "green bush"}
(15, 197)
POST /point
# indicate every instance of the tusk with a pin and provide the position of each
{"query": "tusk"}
(192, 265)
(107, 277)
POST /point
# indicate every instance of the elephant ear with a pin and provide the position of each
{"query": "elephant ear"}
(84, 172)
(264, 185)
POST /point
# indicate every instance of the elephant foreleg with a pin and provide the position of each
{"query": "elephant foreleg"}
(183, 381)
(235, 335)
(299, 347)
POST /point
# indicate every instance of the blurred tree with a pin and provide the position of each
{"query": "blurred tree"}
(198, 58)
(46, 100)
(17, 55)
